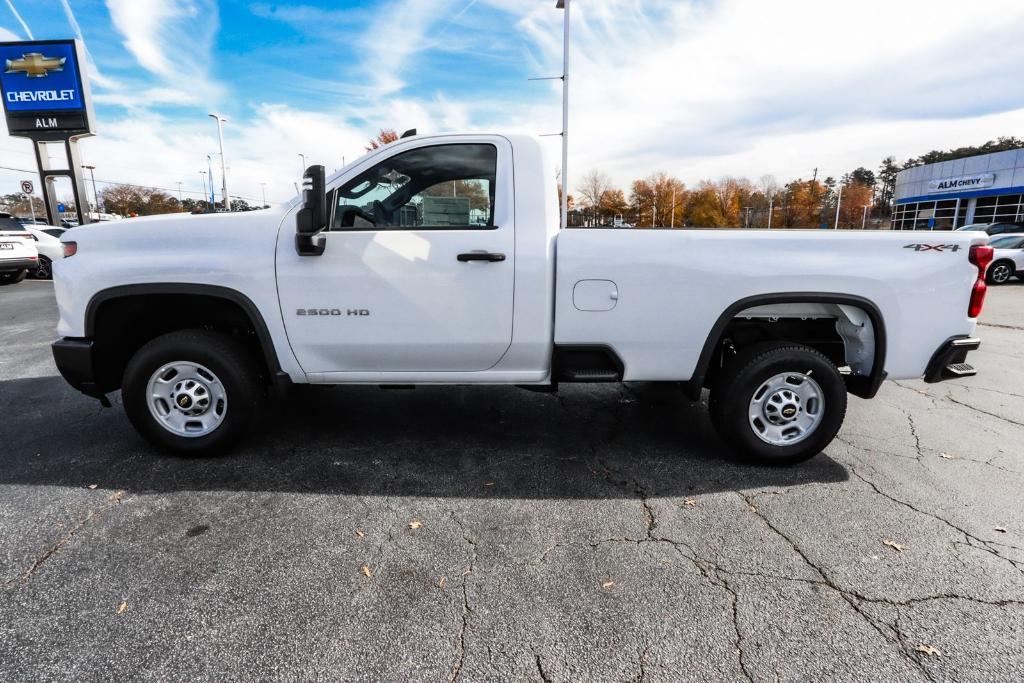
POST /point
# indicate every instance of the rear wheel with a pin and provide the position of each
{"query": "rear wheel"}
(13, 277)
(1000, 272)
(194, 392)
(778, 404)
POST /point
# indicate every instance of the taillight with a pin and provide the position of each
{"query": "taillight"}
(980, 256)
(70, 248)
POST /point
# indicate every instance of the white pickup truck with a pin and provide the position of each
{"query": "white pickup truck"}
(439, 260)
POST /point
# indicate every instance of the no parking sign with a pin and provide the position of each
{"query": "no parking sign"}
(27, 187)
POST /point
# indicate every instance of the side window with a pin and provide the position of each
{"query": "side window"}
(441, 187)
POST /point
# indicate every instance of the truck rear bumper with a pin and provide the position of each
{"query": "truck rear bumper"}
(75, 361)
(948, 361)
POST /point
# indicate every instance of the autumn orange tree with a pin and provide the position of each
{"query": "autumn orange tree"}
(384, 137)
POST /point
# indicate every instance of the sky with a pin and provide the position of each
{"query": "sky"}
(695, 88)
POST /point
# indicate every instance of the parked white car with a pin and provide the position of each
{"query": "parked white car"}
(18, 251)
(382, 275)
(50, 251)
(1008, 259)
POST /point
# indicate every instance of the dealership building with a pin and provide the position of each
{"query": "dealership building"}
(988, 188)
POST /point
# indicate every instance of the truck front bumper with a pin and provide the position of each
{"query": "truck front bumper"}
(75, 361)
(948, 361)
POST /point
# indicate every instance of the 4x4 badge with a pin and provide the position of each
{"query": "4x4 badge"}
(933, 247)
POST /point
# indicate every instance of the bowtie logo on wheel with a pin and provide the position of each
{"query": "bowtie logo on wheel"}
(35, 65)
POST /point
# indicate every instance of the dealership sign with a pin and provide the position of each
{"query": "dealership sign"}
(43, 88)
(967, 182)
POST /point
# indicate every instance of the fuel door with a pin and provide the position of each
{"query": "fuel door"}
(595, 295)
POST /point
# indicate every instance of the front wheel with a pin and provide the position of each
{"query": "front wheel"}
(194, 392)
(778, 404)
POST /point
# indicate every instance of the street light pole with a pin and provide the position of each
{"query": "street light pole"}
(179, 192)
(771, 210)
(672, 218)
(864, 218)
(95, 195)
(839, 202)
(263, 186)
(205, 191)
(223, 164)
(566, 35)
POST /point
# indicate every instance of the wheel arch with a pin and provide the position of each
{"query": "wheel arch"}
(864, 386)
(212, 295)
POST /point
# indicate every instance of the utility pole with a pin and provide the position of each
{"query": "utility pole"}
(95, 195)
(771, 210)
(839, 202)
(815, 179)
(179, 192)
(223, 165)
(864, 218)
(746, 223)
(263, 186)
(672, 218)
(566, 35)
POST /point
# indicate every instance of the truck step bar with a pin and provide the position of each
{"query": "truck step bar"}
(587, 364)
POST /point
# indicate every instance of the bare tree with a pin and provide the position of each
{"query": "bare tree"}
(592, 188)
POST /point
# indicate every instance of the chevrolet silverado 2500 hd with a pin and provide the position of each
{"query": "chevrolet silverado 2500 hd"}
(439, 260)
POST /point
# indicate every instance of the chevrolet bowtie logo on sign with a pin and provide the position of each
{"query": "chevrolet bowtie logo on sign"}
(35, 65)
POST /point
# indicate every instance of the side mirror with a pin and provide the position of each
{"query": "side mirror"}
(312, 217)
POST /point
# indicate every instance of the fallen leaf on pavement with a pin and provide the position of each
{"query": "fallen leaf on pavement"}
(488, 483)
(360, 533)
(690, 502)
(123, 608)
(607, 584)
(1000, 529)
(415, 524)
(440, 584)
(893, 544)
(947, 456)
(92, 487)
(116, 496)
(929, 650)
(367, 572)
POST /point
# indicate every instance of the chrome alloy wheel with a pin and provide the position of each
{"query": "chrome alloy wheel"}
(1001, 273)
(187, 399)
(786, 408)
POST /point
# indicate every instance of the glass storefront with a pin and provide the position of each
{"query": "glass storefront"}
(939, 215)
(1005, 209)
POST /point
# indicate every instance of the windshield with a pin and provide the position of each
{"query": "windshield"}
(9, 224)
(1008, 242)
(980, 227)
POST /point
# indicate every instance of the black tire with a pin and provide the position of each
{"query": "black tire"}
(1000, 272)
(232, 364)
(12, 278)
(734, 388)
(45, 269)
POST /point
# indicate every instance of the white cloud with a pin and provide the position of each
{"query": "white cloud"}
(8, 35)
(171, 40)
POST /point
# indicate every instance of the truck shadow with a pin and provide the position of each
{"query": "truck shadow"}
(589, 441)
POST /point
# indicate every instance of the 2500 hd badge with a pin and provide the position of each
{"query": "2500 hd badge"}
(332, 311)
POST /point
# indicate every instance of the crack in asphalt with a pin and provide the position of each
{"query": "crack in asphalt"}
(460, 643)
(112, 500)
(540, 670)
(971, 538)
(1001, 326)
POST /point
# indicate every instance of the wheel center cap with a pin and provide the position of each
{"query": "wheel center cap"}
(789, 411)
(191, 397)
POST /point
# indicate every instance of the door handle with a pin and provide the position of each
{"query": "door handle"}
(481, 256)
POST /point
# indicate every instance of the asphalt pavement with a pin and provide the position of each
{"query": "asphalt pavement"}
(600, 534)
